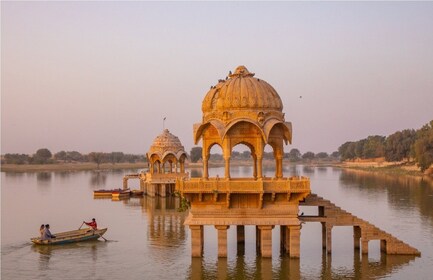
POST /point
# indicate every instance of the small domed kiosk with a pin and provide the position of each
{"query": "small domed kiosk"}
(166, 158)
(243, 109)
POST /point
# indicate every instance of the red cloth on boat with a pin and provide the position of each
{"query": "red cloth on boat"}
(92, 224)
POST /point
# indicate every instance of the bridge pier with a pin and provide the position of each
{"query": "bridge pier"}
(357, 237)
(240, 234)
(266, 241)
(196, 240)
(222, 240)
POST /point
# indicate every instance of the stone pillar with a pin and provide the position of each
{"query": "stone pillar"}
(125, 183)
(323, 236)
(240, 234)
(364, 245)
(171, 167)
(259, 167)
(356, 237)
(158, 167)
(266, 241)
(163, 168)
(383, 246)
(328, 239)
(205, 168)
(182, 167)
(163, 190)
(258, 240)
(295, 242)
(227, 167)
(283, 238)
(254, 165)
(279, 166)
(222, 240)
(196, 240)
(143, 186)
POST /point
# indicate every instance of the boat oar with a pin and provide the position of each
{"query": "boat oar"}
(81, 225)
(102, 237)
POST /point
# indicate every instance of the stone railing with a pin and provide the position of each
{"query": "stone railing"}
(244, 185)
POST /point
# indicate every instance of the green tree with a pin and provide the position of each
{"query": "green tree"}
(423, 146)
(359, 148)
(347, 150)
(42, 156)
(374, 147)
(96, 157)
(398, 145)
(60, 156)
(308, 155)
(294, 155)
(116, 157)
(335, 155)
(17, 158)
(196, 154)
(322, 155)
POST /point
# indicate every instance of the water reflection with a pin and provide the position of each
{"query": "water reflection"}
(403, 192)
(308, 169)
(98, 179)
(43, 177)
(287, 268)
(165, 222)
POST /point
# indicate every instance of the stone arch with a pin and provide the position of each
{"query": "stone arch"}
(252, 152)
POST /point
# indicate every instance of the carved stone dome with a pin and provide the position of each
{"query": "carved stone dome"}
(241, 91)
(165, 144)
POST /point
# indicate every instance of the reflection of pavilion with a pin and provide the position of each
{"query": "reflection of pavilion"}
(165, 222)
(289, 268)
(166, 159)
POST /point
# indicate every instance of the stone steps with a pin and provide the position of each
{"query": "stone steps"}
(336, 216)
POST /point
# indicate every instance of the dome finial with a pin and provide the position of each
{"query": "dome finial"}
(241, 71)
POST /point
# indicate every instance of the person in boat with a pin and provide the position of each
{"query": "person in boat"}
(41, 230)
(47, 233)
(92, 224)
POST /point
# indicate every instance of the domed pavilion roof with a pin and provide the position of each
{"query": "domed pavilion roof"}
(166, 143)
(241, 91)
(241, 97)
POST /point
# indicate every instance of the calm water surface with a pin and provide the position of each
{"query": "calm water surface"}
(147, 239)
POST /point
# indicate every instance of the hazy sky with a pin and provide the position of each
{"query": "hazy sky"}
(100, 76)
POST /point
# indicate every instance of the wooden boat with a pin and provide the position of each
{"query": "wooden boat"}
(106, 193)
(121, 193)
(79, 235)
(137, 193)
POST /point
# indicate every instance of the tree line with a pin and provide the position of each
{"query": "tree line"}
(405, 145)
(44, 156)
(294, 155)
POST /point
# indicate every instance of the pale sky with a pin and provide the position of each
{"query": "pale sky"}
(100, 76)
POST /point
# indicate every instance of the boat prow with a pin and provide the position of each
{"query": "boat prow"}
(79, 235)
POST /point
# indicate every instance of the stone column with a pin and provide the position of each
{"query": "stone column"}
(240, 234)
(364, 245)
(295, 242)
(182, 167)
(163, 168)
(328, 239)
(258, 240)
(171, 167)
(323, 236)
(254, 165)
(266, 241)
(125, 183)
(222, 240)
(163, 190)
(283, 238)
(259, 167)
(227, 167)
(356, 237)
(205, 168)
(383, 246)
(279, 167)
(196, 240)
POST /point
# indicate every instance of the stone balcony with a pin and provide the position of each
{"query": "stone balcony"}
(244, 185)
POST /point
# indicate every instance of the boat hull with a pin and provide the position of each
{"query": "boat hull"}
(74, 236)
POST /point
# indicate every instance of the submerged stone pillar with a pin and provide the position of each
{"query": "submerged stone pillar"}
(266, 241)
(294, 242)
(240, 234)
(328, 239)
(357, 237)
(364, 245)
(196, 240)
(323, 236)
(383, 246)
(222, 240)
(257, 240)
(163, 190)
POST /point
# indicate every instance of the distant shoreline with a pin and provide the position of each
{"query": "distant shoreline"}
(69, 167)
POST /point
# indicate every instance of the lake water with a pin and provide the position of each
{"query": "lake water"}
(147, 239)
